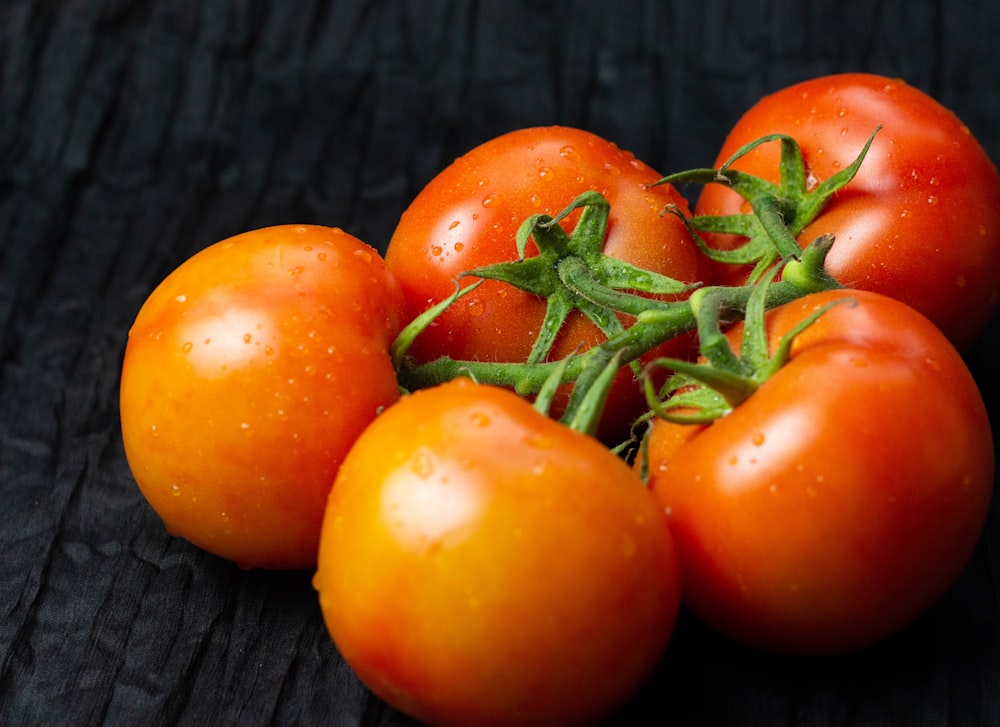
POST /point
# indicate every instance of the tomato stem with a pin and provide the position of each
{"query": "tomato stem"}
(658, 323)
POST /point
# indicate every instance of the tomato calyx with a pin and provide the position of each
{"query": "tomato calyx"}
(701, 392)
(572, 272)
(779, 212)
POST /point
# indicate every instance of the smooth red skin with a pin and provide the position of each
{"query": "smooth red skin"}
(249, 372)
(481, 564)
(468, 215)
(844, 497)
(921, 220)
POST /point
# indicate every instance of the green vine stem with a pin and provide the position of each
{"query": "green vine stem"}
(653, 326)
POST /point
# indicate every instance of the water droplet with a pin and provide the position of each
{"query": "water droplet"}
(422, 463)
(568, 152)
(181, 298)
(458, 246)
(268, 351)
(321, 256)
(454, 224)
(490, 200)
(244, 425)
(612, 169)
(186, 348)
(932, 199)
(476, 307)
(297, 270)
(247, 338)
(546, 173)
(363, 255)
(733, 460)
(758, 439)
(175, 491)
(436, 250)
(479, 420)
(842, 111)
(935, 366)
(536, 201)
(904, 213)
(484, 181)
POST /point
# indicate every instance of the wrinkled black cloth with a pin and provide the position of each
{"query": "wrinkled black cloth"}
(133, 134)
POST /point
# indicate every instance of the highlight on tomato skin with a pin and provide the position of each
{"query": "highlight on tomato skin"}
(248, 373)
(482, 564)
(845, 496)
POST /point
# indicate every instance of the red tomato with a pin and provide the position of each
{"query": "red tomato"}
(845, 496)
(481, 564)
(248, 373)
(921, 220)
(468, 215)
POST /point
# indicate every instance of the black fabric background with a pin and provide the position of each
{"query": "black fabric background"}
(133, 134)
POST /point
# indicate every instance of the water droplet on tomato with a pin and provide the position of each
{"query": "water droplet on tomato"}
(436, 250)
(932, 199)
(181, 298)
(247, 338)
(363, 255)
(458, 247)
(758, 439)
(422, 463)
(612, 170)
(479, 420)
(186, 348)
(568, 152)
(175, 491)
(490, 200)
(546, 173)
(454, 224)
(297, 270)
(475, 307)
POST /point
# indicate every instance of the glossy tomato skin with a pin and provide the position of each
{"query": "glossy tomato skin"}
(481, 564)
(248, 373)
(921, 220)
(845, 496)
(468, 215)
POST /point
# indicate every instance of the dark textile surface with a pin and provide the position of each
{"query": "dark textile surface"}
(133, 134)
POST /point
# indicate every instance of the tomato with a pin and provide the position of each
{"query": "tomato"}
(482, 564)
(468, 215)
(248, 373)
(844, 496)
(921, 220)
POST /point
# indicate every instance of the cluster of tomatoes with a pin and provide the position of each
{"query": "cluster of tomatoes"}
(482, 559)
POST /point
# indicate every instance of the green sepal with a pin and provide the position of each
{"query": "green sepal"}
(779, 211)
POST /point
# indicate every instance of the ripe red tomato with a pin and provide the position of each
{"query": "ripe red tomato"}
(248, 373)
(468, 215)
(845, 496)
(921, 220)
(481, 564)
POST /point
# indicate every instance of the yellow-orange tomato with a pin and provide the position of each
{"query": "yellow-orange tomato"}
(249, 372)
(481, 564)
